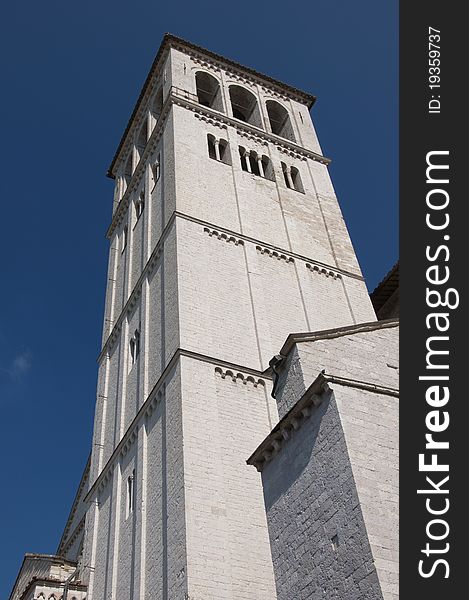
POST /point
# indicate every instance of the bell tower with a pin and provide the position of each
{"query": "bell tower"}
(226, 236)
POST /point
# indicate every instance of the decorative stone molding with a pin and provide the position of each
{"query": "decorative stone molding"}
(224, 236)
(290, 423)
(154, 258)
(105, 479)
(153, 403)
(251, 136)
(211, 120)
(203, 62)
(131, 438)
(275, 254)
(133, 299)
(295, 153)
(239, 377)
(70, 541)
(323, 271)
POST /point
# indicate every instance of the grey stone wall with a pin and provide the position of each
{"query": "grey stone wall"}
(320, 547)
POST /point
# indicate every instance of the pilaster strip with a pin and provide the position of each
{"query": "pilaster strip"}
(153, 397)
(221, 231)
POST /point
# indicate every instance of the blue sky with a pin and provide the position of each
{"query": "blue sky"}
(71, 73)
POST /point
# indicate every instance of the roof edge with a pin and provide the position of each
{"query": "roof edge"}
(313, 336)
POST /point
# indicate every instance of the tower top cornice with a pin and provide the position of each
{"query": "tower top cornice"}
(173, 41)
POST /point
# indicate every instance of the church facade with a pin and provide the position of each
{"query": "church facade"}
(217, 472)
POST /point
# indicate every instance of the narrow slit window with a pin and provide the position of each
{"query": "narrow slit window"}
(125, 236)
(140, 205)
(130, 493)
(156, 170)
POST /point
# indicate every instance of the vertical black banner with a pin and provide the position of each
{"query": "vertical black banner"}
(434, 440)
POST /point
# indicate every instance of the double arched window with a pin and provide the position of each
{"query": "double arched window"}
(218, 149)
(292, 178)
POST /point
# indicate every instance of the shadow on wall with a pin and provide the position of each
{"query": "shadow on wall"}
(277, 481)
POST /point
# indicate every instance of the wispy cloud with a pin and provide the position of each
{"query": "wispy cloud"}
(19, 366)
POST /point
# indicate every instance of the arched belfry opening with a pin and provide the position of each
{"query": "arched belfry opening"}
(208, 91)
(128, 169)
(279, 120)
(244, 106)
(142, 138)
(157, 104)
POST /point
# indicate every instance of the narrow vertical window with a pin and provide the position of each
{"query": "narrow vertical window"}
(156, 170)
(125, 235)
(134, 348)
(297, 183)
(211, 146)
(140, 204)
(267, 168)
(130, 493)
(224, 152)
(137, 343)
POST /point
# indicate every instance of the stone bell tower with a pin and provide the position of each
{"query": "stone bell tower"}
(226, 236)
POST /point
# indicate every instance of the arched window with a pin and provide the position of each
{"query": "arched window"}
(297, 183)
(156, 170)
(292, 178)
(140, 204)
(130, 493)
(211, 146)
(125, 235)
(254, 163)
(279, 119)
(128, 170)
(244, 106)
(134, 348)
(218, 149)
(225, 156)
(208, 91)
(267, 168)
(157, 104)
(142, 138)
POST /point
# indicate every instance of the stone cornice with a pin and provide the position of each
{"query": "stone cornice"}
(302, 410)
(222, 234)
(296, 338)
(169, 41)
(247, 129)
(247, 375)
(292, 421)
